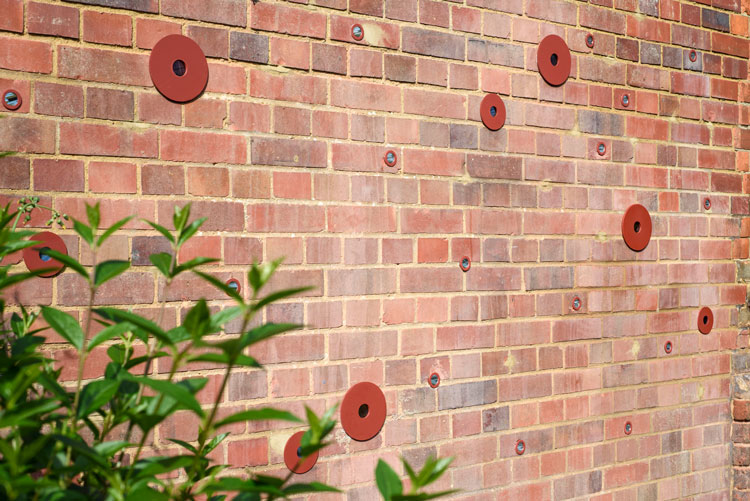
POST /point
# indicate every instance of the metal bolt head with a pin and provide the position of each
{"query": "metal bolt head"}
(625, 100)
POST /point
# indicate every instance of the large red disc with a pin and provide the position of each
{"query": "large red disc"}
(636, 227)
(705, 320)
(363, 411)
(36, 259)
(293, 460)
(178, 68)
(492, 111)
(553, 60)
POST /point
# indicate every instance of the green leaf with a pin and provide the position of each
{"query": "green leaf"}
(65, 325)
(264, 332)
(96, 394)
(224, 316)
(184, 444)
(180, 217)
(259, 275)
(84, 231)
(198, 320)
(163, 263)
(108, 270)
(109, 449)
(225, 358)
(108, 333)
(276, 296)
(194, 263)
(109, 231)
(311, 487)
(190, 230)
(215, 442)
(161, 229)
(69, 262)
(423, 496)
(175, 391)
(92, 213)
(137, 320)
(259, 415)
(220, 285)
(389, 484)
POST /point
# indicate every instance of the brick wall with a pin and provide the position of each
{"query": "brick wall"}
(284, 154)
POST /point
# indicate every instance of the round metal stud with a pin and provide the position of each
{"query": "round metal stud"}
(628, 428)
(293, 458)
(590, 41)
(492, 111)
(625, 100)
(520, 447)
(358, 32)
(707, 203)
(601, 149)
(577, 303)
(434, 380)
(705, 320)
(390, 158)
(36, 257)
(553, 60)
(363, 411)
(668, 347)
(693, 56)
(234, 284)
(465, 263)
(12, 99)
(178, 68)
(636, 227)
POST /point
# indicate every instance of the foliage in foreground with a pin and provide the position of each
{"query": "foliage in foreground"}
(87, 440)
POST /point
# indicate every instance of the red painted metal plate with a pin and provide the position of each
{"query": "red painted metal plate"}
(705, 320)
(363, 411)
(553, 60)
(292, 459)
(12, 99)
(178, 68)
(636, 227)
(489, 103)
(35, 258)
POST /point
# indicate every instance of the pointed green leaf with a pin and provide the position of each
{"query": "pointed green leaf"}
(69, 262)
(108, 333)
(137, 320)
(84, 231)
(65, 325)
(96, 394)
(184, 444)
(264, 332)
(109, 231)
(175, 391)
(194, 263)
(92, 213)
(276, 296)
(259, 415)
(108, 270)
(215, 442)
(161, 229)
(191, 229)
(295, 489)
(163, 263)
(389, 484)
(180, 217)
(219, 285)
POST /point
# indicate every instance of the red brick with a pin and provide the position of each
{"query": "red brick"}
(25, 55)
(55, 20)
(110, 29)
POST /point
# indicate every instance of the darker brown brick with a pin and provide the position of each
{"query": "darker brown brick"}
(329, 58)
(715, 20)
(433, 43)
(627, 49)
(400, 68)
(248, 47)
(596, 122)
(109, 104)
(467, 394)
(496, 419)
(143, 247)
(137, 5)
(14, 173)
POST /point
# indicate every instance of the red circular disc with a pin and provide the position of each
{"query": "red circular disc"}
(520, 447)
(14, 105)
(705, 320)
(553, 60)
(291, 458)
(358, 32)
(178, 68)
(465, 263)
(496, 121)
(636, 227)
(390, 158)
(434, 380)
(668, 347)
(693, 56)
(363, 411)
(33, 257)
(590, 41)
(628, 428)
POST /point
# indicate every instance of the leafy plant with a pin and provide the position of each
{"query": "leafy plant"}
(88, 440)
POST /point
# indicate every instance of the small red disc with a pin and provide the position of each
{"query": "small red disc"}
(636, 227)
(705, 320)
(492, 103)
(590, 41)
(390, 158)
(434, 380)
(35, 258)
(668, 347)
(465, 263)
(553, 60)
(178, 68)
(233, 283)
(363, 411)
(292, 458)
(12, 99)
(520, 447)
(628, 428)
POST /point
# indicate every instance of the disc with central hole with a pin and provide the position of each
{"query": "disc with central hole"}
(492, 111)
(291, 455)
(705, 320)
(553, 60)
(178, 68)
(636, 227)
(363, 411)
(35, 258)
